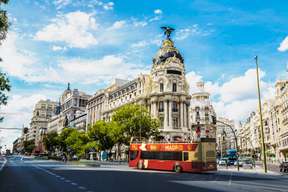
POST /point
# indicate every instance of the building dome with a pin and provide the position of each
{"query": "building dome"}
(166, 51)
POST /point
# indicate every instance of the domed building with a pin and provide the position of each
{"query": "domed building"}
(165, 93)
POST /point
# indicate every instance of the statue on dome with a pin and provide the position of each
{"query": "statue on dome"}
(167, 31)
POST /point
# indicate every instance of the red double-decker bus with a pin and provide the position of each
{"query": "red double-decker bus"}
(178, 157)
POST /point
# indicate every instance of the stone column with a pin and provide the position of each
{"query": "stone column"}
(170, 115)
(185, 115)
(181, 114)
(154, 109)
(165, 115)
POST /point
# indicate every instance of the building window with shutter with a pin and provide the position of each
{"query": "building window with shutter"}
(174, 87)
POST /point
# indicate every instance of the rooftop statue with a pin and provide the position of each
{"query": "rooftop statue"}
(167, 31)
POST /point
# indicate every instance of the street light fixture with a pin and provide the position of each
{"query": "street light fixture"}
(261, 118)
(235, 137)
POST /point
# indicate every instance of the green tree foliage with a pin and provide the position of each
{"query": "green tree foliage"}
(102, 133)
(134, 120)
(62, 139)
(3, 21)
(29, 146)
(51, 141)
(4, 82)
(76, 142)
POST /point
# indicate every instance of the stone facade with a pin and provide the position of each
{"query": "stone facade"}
(250, 135)
(275, 125)
(164, 92)
(281, 108)
(202, 115)
(224, 135)
(43, 111)
(71, 104)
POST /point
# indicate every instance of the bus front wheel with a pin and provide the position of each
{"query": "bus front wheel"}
(177, 169)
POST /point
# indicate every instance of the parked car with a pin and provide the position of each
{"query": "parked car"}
(246, 163)
(223, 162)
(231, 161)
(284, 167)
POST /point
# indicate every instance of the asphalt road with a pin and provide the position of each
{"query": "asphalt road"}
(26, 175)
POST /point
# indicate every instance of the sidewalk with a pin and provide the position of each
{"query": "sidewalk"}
(257, 170)
(96, 163)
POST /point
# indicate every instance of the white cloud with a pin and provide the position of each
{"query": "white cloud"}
(19, 113)
(283, 45)
(140, 23)
(235, 98)
(117, 25)
(103, 69)
(58, 48)
(15, 62)
(74, 28)
(193, 30)
(158, 11)
(145, 43)
(108, 6)
(61, 3)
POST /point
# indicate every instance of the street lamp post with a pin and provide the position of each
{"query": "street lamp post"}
(235, 137)
(261, 118)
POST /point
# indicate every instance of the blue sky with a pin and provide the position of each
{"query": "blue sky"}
(91, 42)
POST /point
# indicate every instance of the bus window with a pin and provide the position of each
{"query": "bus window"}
(133, 155)
(161, 155)
(185, 156)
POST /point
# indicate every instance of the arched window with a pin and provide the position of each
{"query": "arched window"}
(161, 106)
(161, 87)
(174, 106)
(174, 87)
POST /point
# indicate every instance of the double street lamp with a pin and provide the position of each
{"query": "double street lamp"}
(235, 137)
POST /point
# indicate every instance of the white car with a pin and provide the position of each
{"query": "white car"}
(245, 163)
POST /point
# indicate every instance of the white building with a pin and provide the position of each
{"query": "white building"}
(225, 138)
(43, 111)
(72, 103)
(202, 115)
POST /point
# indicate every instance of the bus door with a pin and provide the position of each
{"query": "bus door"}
(208, 155)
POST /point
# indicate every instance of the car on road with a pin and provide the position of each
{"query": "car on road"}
(246, 163)
(223, 162)
(284, 167)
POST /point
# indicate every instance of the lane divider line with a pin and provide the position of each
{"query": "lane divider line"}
(4, 163)
(62, 178)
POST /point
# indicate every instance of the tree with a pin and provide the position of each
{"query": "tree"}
(76, 142)
(51, 142)
(29, 146)
(4, 82)
(102, 134)
(134, 120)
(3, 21)
(62, 137)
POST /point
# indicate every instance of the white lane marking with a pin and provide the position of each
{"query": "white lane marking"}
(82, 188)
(4, 163)
(230, 179)
(62, 178)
